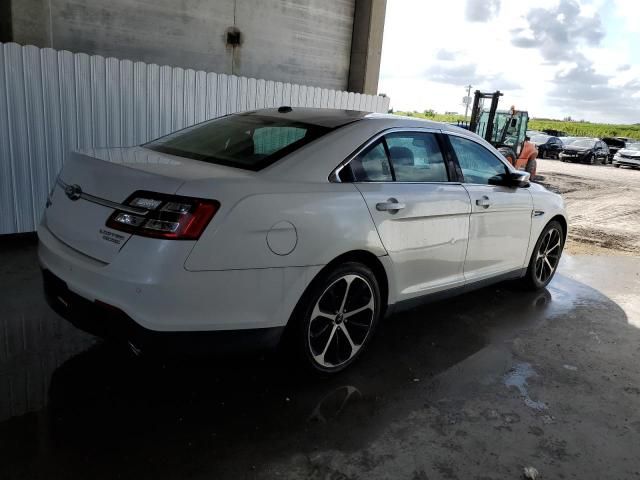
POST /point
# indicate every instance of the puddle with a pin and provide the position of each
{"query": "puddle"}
(517, 377)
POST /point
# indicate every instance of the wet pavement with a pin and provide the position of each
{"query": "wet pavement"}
(479, 386)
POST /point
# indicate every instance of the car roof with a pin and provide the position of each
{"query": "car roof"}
(335, 118)
(315, 161)
(322, 117)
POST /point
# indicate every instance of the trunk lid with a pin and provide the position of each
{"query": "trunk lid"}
(112, 175)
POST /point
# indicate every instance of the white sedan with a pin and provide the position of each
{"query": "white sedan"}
(289, 225)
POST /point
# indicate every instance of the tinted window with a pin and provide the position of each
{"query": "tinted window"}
(416, 157)
(268, 140)
(477, 163)
(247, 141)
(584, 143)
(539, 139)
(371, 165)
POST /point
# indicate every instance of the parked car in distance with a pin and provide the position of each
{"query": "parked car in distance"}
(589, 150)
(614, 144)
(290, 226)
(628, 156)
(548, 146)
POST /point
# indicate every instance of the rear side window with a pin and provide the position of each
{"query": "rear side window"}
(416, 157)
(371, 165)
(247, 141)
(477, 163)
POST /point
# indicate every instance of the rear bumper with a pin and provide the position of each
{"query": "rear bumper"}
(148, 283)
(105, 321)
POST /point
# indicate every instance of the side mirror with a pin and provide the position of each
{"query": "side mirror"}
(517, 179)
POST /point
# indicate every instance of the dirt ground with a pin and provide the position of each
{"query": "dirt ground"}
(603, 204)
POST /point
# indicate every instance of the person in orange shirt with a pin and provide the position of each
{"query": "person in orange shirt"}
(528, 157)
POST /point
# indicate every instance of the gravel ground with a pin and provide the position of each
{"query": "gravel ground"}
(603, 204)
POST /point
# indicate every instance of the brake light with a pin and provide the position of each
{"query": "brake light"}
(158, 215)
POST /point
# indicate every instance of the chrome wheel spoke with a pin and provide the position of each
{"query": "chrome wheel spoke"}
(346, 334)
(317, 312)
(555, 246)
(320, 358)
(349, 279)
(539, 265)
(368, 306)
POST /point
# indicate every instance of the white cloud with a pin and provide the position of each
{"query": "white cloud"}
(481, 10)
(430, 54)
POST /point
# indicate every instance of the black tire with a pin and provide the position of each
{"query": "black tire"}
(532, 280)
(617, 165)
(541, 153)
(591, 159)
(305, 345)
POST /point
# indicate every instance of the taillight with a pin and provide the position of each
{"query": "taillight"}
(158, 215)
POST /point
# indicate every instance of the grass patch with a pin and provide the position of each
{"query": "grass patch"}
(577, 129)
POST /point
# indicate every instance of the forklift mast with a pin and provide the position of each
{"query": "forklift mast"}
(477, 110)
(504, 129)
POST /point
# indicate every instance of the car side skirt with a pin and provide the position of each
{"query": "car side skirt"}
(453, 292)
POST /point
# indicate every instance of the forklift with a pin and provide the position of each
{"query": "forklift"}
(504, 129)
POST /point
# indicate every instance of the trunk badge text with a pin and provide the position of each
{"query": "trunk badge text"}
(74, 192)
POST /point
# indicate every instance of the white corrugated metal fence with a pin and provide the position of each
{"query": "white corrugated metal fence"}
(52, 101)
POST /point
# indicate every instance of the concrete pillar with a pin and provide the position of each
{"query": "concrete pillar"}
(26, 21)
(366, 46)
(6, 30)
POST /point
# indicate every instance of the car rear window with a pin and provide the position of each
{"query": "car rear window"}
(247, 141)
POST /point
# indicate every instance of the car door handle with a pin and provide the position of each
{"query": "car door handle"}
(484, 202)
(392, 205)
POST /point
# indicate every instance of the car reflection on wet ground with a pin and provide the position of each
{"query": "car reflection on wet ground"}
(478, 386)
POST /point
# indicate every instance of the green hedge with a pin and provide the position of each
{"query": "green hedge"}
(577, 129)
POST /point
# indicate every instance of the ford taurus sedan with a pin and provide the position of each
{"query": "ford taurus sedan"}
(295, 227)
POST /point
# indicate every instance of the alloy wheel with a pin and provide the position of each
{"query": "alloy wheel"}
(341, 321)
(548, 255)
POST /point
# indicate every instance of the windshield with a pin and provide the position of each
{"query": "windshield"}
(539, 139)
(584, 143)
(246, 141)
(633, 146)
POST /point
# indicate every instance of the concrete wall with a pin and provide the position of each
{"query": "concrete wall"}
(297, 41)
(366, 46)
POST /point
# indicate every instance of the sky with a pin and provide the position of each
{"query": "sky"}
(554, 58)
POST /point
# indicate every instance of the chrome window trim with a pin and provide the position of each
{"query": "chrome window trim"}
(334, 175)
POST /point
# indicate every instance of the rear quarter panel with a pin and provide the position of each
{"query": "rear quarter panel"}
(328, 220)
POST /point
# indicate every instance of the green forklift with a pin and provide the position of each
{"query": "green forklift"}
(504, 129)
